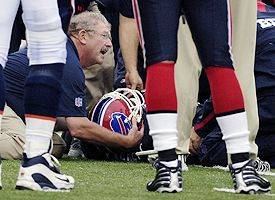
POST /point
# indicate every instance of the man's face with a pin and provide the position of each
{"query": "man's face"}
(98, 43)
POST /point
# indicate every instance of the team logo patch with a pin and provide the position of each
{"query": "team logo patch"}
(120, 123)
(78, 102)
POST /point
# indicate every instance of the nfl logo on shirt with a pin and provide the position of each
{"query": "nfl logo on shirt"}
(78, 101)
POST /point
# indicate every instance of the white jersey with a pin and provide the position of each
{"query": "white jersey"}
(46, 39)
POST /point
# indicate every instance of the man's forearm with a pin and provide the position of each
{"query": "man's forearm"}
(60, 124)
(83, 128)
(128, 38)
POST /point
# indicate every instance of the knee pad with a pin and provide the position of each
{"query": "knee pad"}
(42, 90)
(46, 39)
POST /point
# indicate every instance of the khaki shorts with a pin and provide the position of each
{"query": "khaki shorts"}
(12, 137)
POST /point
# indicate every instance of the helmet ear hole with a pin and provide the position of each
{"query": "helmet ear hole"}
(115, 110)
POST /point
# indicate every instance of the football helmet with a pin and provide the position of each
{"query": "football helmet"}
(115, 110)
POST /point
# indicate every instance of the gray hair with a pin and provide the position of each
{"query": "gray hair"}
(87, 21)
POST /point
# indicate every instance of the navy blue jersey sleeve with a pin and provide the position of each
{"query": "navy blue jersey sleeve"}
(72, 103)
(125, 8)
(72, 99)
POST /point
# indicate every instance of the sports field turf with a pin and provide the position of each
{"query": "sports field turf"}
(123, 181)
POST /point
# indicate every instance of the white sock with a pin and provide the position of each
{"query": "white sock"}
(173, 163)
(163, 129)
(235, 132)
(38, 136)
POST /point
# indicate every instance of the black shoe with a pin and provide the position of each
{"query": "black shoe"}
(246, 180)
(168, 179)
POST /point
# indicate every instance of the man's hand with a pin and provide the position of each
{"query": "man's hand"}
(195, 142)
(133, 80)
(134, 136)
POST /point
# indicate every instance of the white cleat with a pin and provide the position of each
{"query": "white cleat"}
(42, 173)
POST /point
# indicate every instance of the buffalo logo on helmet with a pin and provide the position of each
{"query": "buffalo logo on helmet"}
(115, 110)
(120, 123)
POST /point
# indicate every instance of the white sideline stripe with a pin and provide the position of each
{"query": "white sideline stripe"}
(221, 168)
(54, 190)
(233, 191)
(145, 153)
(224, 190)
(267, 173)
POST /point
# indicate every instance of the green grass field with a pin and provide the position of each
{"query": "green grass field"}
(123, 181)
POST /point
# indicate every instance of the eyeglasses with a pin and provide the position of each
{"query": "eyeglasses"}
(105, 36)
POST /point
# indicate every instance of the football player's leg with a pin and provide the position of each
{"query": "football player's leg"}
(47, 53)
(214, 51)
(215, 54)
(8, 11)
(7, 14)
(160, 24)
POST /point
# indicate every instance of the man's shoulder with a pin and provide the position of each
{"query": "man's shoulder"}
(73, 71)
(72, 55)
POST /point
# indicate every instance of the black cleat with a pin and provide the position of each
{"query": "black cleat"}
(247, 181)
(168, 179)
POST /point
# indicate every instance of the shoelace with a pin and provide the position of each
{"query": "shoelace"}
(261, 166)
